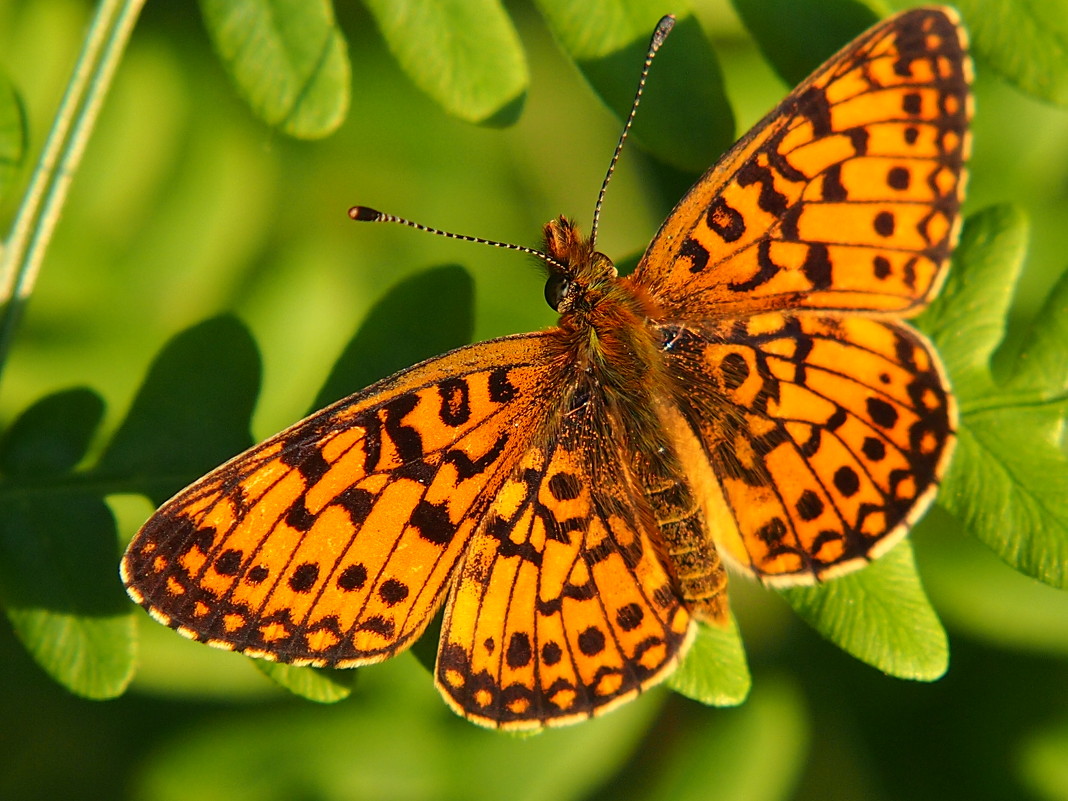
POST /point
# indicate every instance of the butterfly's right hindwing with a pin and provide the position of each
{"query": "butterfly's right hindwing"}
(828, 437)
(332, 542)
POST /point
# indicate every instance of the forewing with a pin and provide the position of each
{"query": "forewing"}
(332, 542)
(561, 609)
(828, 436)
(846, 196)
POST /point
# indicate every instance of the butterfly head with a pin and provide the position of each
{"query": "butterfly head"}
(577, 273)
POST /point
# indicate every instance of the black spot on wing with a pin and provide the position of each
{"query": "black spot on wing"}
(352, 577)
(405, 439)
(725, 220)
(306, 458)
(304, 577)
(565, 486)
(501, 389)
(258, 574)
(770, 199)
(455, 396)
(813, 104)
(466, 467)
(392, 591)
(229, 562)
(817, 266)
(519, 652)
(697, 254)
(833, 188)
(433, 523)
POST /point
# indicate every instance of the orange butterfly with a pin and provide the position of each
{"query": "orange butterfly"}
(748, 396)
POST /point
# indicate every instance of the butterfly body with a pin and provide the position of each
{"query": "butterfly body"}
(619, 377)
(750, 396)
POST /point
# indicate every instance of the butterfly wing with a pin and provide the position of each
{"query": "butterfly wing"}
(561, 609)
(827, 435)
(846, 196)
(332, 543)
(826, 422)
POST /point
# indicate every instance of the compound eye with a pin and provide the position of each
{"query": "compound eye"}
(556, 286)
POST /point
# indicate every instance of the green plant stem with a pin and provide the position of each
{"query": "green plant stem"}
(75, 119)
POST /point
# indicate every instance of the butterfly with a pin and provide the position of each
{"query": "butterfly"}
(750, 396)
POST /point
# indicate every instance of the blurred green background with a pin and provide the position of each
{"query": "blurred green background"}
(187, 206)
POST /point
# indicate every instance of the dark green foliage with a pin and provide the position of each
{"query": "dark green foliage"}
(188, 206)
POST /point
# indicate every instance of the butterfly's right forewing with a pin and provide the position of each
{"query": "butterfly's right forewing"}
(845, 197)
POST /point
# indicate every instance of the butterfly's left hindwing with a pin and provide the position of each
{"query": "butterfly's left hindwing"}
(332, 543)
(562, 608)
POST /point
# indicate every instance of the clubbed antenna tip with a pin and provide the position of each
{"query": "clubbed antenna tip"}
(663, 28)
(365, 214)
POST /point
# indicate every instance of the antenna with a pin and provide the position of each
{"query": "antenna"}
(663, 28)
(367, 214)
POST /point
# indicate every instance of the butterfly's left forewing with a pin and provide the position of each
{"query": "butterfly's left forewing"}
(332, 543)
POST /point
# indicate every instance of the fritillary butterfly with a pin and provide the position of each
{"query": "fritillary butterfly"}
(749, 396)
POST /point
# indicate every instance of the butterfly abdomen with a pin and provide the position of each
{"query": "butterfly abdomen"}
(687, 552)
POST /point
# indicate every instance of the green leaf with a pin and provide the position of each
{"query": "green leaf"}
(967, 319)
(880, 615)
(796, 38)
(608, 41)
(979, 596)
(1009, 484)
(465, 55)
(60, 590)
(1042, 364)
(714, 671)
(323, 685)
(1025, 41)
(14, 136)
(51, 436)
(422, 316)
(58, 551)
(1008, 481)
(191, 413)
(287, 58)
